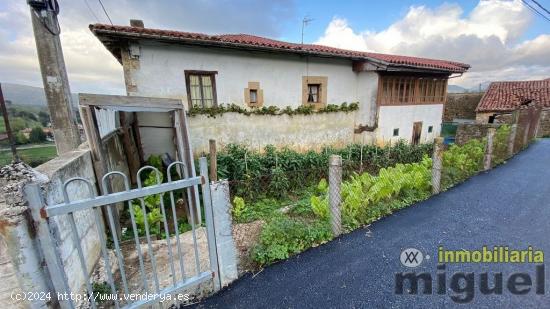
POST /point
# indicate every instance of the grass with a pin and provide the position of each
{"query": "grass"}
(32, 156)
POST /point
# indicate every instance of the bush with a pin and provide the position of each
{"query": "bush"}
(282, 237)
(500, 145)
(21, 139)
(462, 162)
(37, 135)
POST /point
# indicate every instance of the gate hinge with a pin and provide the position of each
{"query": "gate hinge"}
(202, 180)
(43, 213)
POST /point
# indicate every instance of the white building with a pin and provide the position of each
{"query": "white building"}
(399, 97)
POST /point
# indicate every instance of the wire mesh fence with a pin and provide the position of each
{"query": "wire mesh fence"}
(281, 173)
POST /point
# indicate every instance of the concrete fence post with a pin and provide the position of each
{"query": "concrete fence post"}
(489, 149)
(335, 183)
(437, 164)
(225, 244)
(512, 139)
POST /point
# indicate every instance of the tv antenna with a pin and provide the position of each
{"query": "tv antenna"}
(305, 22)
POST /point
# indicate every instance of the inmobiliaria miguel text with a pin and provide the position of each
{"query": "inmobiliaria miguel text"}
(463, 284)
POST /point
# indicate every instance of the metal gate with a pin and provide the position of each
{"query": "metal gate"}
(149, 280)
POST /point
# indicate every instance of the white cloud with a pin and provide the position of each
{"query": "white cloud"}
(488, 38)
(91, 68)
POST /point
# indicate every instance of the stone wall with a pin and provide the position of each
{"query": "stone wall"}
(300, 132)
(468, 131)
(544, 127)
(21, 267)
(461, 106)
(73, 164)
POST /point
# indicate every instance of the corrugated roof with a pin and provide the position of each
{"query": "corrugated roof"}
(247, 41)
(507, 96)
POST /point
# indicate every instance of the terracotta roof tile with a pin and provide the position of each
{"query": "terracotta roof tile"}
(256, 41)
(507, 96)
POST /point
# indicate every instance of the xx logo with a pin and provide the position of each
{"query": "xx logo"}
(411, 257)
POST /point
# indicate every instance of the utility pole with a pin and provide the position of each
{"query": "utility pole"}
(8, 127)
(54, 75)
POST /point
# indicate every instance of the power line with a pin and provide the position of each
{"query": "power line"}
(91, 11)
(105, 11)
(542, 7)
(534, 10)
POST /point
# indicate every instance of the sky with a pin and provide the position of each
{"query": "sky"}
(500, 39)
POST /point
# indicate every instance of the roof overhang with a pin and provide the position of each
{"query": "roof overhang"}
(115, 40)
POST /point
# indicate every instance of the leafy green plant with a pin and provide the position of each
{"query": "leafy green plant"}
(365, 198)
(238, 208)
(462, 162)
(500, 144)
(152, 205)
(319, 206)
(278, 183)
(282, 237)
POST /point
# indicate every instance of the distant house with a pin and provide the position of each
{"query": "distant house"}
(505, 97)
(399, 97)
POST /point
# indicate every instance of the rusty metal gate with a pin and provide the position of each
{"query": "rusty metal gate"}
(181, 278)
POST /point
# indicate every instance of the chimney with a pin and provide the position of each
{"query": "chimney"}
(138, 23)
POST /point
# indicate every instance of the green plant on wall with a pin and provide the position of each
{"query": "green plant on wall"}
(270, 110)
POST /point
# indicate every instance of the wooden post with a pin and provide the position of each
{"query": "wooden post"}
(8, 127)
(129, 147)
(489, 150)
(437, 164)
(213, 161)
(99, 160)
(186, 156)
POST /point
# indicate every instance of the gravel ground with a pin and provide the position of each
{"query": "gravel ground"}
(510, 206)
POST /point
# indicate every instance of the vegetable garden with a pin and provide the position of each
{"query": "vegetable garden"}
(289, 191)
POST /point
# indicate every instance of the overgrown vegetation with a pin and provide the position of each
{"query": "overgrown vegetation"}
(500, 145)
(271, 110)
(462, 162)
(277, 173)
(366, 197)
(284, 236)
(152, 205)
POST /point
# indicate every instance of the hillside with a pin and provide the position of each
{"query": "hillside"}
(27, 95)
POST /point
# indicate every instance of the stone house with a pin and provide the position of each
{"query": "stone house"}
(502, 98)
(399, 97)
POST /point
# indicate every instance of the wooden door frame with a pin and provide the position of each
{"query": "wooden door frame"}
(420, 132)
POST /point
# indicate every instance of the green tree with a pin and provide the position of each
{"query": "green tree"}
(44, 118)
(17, 124)
(37, 135)
(21, 139)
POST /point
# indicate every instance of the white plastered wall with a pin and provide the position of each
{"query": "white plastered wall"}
(402, 117)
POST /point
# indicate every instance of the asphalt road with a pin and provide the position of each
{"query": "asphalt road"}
(509, 205)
